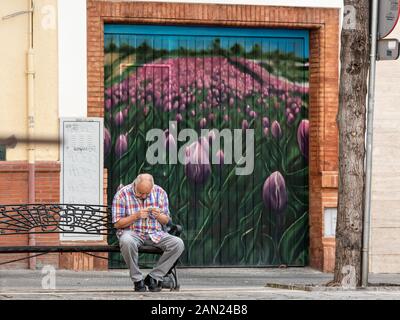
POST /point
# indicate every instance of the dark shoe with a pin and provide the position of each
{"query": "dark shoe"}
(139, 286)
(152, 284)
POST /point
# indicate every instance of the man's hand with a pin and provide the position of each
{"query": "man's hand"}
(159, 215)
(155, 212)
(143, 214)
(127, 221)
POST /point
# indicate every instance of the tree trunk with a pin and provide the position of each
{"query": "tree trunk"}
(351, 119)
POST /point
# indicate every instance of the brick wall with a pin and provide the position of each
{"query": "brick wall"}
(324, 76)
(14, 190)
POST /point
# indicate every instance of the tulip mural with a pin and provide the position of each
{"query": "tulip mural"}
(198, 167)
(275, 193)
(243, 80)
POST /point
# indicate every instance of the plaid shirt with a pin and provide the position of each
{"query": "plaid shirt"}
(125, 204)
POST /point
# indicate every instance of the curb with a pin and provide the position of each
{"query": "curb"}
(321, 288)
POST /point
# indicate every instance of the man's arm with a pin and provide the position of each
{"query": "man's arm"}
(161, 217)
(119, 213)
(162, 213)
(127, 221)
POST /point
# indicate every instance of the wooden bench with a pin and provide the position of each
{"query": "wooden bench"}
(70, 219)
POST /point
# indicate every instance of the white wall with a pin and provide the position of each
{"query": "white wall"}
(72, 57)
(385, 209)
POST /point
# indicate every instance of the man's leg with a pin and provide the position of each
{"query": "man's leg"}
(129, 244)
(173, 248)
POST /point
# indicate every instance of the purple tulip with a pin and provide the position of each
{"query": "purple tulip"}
(245, 125)
(266, 132)
(302, 137)
(145, 111)
(274, 193)
(276, 130)
(119, 118)
(265, 122)
(253, 114)
(220, 157)
(211, 117)
(121, 145)
(197, 168)
(226, 118)
(231, 102)
(107, 142)
(116, 99)
(178, 117)
(203, 122)
(108, 104)
(290, 118)
(158, 103)
(125, 112)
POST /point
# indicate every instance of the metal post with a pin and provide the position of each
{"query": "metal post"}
(368, 163)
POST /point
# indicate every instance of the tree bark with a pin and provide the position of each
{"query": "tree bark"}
(354, 57)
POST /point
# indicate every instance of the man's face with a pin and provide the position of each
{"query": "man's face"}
(143, 189)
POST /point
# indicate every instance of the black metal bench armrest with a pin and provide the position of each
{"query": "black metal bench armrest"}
(174, 229)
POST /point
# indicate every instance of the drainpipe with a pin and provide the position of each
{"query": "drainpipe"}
(31, 124)
(368, 163)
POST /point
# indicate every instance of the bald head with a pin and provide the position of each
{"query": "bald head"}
(143, 185)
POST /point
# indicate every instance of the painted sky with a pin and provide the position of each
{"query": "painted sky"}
(172, 37)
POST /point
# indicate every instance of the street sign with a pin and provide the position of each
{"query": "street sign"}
(389, 12)
(388, 49)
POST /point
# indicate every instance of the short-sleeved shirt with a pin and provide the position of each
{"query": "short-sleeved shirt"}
(125, 204)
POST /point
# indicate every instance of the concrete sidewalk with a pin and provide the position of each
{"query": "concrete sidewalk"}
(196, 283)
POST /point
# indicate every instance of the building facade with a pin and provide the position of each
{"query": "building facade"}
(97, 59)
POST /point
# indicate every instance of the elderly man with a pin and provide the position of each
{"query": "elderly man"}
(138, 212)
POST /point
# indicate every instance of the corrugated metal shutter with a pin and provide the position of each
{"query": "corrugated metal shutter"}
(216, 78)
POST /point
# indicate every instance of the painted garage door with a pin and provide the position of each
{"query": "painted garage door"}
(172, 93)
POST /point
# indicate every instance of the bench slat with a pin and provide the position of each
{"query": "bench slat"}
(99, 248)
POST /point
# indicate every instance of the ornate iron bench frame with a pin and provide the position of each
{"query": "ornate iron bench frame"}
(76, 219)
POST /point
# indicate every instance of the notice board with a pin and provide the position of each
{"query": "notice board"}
(81, 158)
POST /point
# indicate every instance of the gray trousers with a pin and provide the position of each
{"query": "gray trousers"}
(130, 243)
